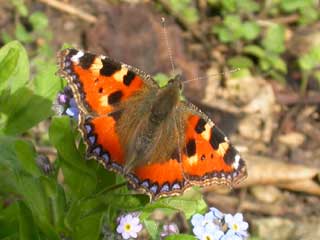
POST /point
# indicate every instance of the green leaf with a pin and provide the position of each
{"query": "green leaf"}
(7, 67)
(274, 39)
(77, 175)
(22, 34)
(8, 156)
(88, 228)
(180, 237)
(310, 60)
(46, 83)
(9, 164)
(229, 5)
(39, 21)
(9, 221)
(24, 110)
(277, 63)
(56, 197)
(126, 202)
(73, 214)
(241, 73)
(27, 227)
(309, 15)
(233, 22)
(19, 75)
(277, 76)
(152, 228)
(248, 6)
(293, 5)
(35, 197)
(250, 30)
(240, 62)
(189, 203)
(27, 157)
(254, 50)
(21, 7)
(224, 34)
(185, 9)
(264, 64)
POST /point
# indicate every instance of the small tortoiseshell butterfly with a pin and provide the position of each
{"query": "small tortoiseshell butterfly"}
(160, 143)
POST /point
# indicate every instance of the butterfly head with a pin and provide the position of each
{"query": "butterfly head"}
(176, 82)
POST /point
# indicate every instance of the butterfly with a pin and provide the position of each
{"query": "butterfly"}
(161, 143)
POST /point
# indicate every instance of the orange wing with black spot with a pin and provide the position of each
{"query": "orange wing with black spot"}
(98, 82)
(209, 157)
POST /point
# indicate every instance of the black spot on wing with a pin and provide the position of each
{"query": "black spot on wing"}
(200, 126)
(109, 67)
(191, 148)
(116, 115)
(71, 52)
(230, 155)
(115, 97)
(86, 60)
(216, 137)
(127, 79)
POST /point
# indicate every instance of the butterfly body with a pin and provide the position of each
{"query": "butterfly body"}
(159, 142)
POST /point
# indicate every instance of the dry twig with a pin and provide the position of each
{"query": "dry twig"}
(71, 10)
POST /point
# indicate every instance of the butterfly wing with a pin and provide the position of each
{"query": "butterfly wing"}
(98, 82)
(102, 87)
(208, 156)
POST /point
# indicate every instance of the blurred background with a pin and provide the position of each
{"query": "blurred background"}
(269, 107)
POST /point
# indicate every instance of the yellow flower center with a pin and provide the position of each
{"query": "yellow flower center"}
(235, 227)
(127, 227)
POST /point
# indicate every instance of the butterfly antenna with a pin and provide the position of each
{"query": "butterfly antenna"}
(165, 34)
(212, 75)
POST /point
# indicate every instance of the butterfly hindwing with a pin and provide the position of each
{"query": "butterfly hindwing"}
(208, 156)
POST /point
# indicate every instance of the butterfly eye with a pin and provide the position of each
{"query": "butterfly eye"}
(171, 81)
(177, 81)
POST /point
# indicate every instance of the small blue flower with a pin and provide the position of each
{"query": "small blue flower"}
(200, 222)
(65, 104)
(210, 233)
(169, 229)
(236, 224)
(216, 225)
(129, 226)
(62, 98)
(217, 213)
(73, 110)
(230, 235)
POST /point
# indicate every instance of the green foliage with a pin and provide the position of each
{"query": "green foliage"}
(311, 59)
(181, 237)
(308, 63)
(233, 29)
(185, 9)
(261, 43)
(22, 105)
